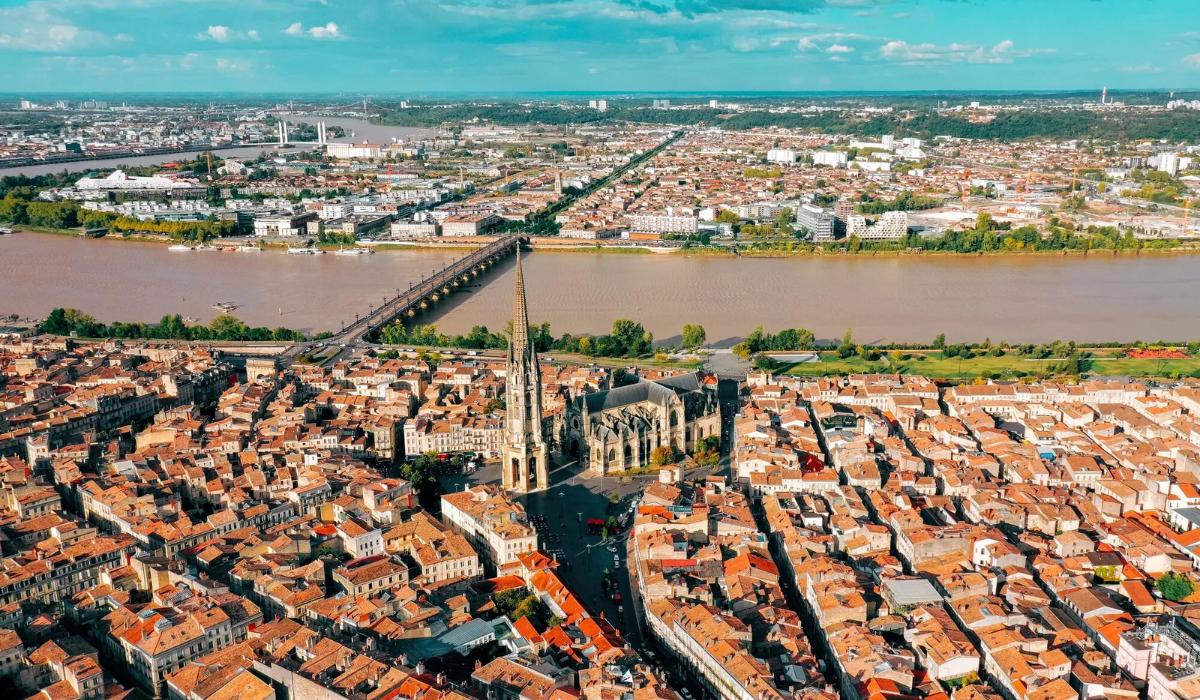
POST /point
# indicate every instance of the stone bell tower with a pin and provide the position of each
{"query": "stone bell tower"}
(525, 454)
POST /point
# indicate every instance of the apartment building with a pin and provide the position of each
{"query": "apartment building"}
(817, 221)
(495, 526)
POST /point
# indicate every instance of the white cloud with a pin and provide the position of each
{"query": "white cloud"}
(1192, 61)
(746, 43)
(186, 62)
(665, 43)
(223, 35)
(230, 65)
(998, 54)
(33, 28)
(593, 71)
(926, 53)
(1144, 68)
(218, 33)
(918, 53)
(814, 42)
(329, 31)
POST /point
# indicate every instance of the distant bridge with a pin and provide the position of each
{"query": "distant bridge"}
(425, 293)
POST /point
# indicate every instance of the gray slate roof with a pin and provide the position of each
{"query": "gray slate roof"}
(658, 392)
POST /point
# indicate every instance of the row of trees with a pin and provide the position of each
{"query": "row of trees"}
(787, 339)
(905, 201)
(988, 237)
(68, 215)
(19, 211)
(223, 327)
(627, 339)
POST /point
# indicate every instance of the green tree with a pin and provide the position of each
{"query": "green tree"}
(728, 217)
(421, 472)
(631, 338)
(1175, 587)
(708, 450)
(846, 349)
(227, 327)
(661, 456)
(532, 606)
(765, 363)
(693, 336)
(940, 341)
(507, 601)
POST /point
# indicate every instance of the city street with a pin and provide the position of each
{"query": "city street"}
(567, 506)
(561, 513)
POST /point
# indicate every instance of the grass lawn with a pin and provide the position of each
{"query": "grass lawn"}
(932, 365)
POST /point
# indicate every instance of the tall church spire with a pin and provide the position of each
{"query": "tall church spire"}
(525, 450)
(519, 347)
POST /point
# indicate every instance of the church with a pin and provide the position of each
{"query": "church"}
(616, 430)
(610, 431)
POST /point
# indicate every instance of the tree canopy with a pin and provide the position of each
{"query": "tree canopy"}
(171, 327)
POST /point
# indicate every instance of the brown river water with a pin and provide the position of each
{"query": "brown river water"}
(909, 299)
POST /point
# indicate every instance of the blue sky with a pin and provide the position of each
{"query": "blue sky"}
(396, 46)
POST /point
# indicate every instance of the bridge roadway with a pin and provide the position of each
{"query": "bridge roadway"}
(427, 291)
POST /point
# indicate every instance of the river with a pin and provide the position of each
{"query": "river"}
(362, 130)
(909, 299)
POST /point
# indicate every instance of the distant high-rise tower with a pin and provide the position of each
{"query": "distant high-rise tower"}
(557, 182)
(1104, 95)
(525, 453)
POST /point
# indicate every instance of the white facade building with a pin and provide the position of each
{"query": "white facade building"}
(781, 155)
(353, 150)
(649, 223)
(118, 180)
(1168, 163)
(891, 226)
(834, 159)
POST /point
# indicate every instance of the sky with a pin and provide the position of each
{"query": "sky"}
(424, 46)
